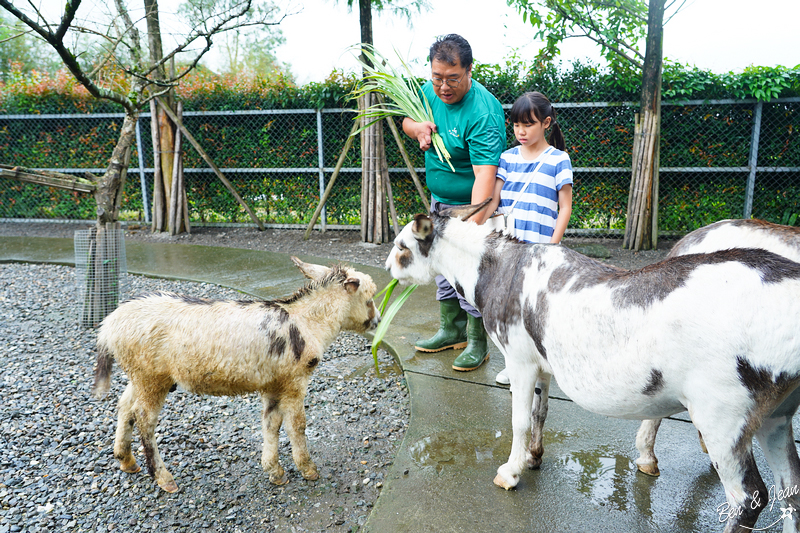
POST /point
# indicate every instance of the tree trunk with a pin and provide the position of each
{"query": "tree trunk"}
(374, 216)
(374, 176)
(110, 186)
(103, 261)
(641, 227)
(163, 186)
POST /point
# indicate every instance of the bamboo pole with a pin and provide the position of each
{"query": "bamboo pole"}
(176, 196)
(385, 172)
(645, 191)
(185, 198)
(158, 185)
(381, 231)
(656, 180)
(50, 179)
(211, 163)
(347, 144)
(362, 105)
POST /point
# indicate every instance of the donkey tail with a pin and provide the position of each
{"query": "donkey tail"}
(102, 372)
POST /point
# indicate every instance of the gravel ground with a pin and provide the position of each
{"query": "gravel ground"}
(57, 470)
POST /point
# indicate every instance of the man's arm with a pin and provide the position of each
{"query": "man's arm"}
(485, 178)
(421, 131)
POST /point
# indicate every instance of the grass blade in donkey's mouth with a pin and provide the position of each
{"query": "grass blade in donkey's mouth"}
(388, 315)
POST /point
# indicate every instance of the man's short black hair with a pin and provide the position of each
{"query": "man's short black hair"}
(450, 49)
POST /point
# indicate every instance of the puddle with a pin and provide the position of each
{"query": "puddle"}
(602, 475)
(385, 369)
(461, 448)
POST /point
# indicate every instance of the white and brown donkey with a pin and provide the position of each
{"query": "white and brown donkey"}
(714, 334)
(723, 235)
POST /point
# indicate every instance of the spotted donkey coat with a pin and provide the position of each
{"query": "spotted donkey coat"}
(722, 235)
(223, 348)
(712, 334)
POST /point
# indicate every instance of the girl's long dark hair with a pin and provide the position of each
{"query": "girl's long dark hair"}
(535, 105)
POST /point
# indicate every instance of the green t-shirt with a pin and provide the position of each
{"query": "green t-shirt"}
(473, 131)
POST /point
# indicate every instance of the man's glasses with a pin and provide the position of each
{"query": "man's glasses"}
(438, 82)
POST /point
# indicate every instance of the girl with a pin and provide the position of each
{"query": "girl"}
(534, 177)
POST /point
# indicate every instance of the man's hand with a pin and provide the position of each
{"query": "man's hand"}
(421, 131)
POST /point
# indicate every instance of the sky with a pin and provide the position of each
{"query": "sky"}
(718, 35)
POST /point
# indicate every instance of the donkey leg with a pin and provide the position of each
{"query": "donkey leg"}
(147, 410)
(295, 416)
(538, 415)
(271, 420)
(730, 448)
(645, 442)
(125, 420)
(776, 438)
(523, 378)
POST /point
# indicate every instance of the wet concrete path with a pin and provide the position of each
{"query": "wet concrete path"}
(460, 429)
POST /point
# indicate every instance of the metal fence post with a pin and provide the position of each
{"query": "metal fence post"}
(751, 178)
(143, 181)
(323, 219)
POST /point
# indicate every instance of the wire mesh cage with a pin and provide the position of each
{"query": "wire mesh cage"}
(718, 159)
(101, 272)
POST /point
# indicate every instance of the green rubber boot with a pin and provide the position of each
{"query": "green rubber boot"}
(477, 350)
(452, 328)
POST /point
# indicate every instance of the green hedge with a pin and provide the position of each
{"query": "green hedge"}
(705, 136)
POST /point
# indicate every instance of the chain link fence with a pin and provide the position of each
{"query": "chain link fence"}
(719, 159)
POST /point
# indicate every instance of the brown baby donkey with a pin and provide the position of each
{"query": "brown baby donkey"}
(226, 347)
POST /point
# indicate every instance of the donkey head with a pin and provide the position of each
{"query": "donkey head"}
(362, 314)
(411, 260)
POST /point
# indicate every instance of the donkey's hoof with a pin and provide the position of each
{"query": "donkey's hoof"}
(279, 479)
(500, 481)
(505, 477)
(130, 468)
(311, 474)
(169, 486)
(651, 469)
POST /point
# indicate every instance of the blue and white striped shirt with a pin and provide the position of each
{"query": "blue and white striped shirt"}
(537, 209)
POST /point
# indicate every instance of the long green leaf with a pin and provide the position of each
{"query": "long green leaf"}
(386, 319)
(388, 289)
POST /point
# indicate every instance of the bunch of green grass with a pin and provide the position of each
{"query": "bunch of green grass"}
(387, 316)
(404, 96)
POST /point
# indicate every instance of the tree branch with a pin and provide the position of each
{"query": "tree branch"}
(24, 33)
(588, 25)
(70, 61)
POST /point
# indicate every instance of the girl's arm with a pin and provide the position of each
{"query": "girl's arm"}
(564, 212)
(492, 207)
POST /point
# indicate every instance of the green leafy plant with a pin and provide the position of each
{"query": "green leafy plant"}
(405, 96)
(388, 315)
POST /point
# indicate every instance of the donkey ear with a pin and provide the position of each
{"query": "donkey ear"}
(311, 271)
(464, 212)
(352, 284)
(421, 227)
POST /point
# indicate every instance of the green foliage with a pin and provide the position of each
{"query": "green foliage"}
(617, 26)
(706, 135)
(762, 83)
(20, 51)
(692, 201)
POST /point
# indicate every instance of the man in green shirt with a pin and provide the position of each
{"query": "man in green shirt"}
(472, 124)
